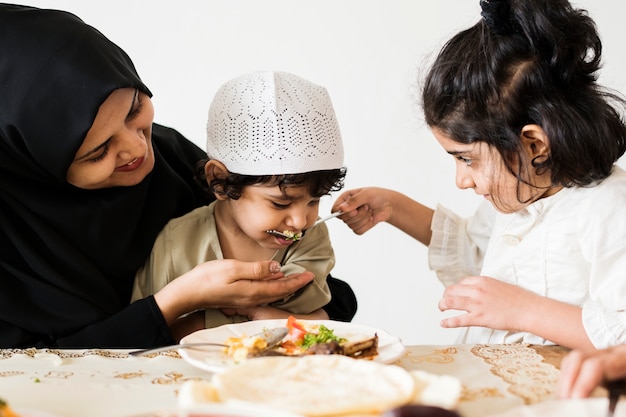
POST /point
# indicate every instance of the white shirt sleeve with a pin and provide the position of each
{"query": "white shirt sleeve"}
(602, 235)
(458, 245)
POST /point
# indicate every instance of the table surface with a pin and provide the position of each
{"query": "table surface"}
(109, 383)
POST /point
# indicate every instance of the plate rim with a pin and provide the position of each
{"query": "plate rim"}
(392, 350)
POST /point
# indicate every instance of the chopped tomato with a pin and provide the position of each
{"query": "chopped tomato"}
(296, 330)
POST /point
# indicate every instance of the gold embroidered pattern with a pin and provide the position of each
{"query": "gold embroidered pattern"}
(529, 377)
(474, 394)
(172, 378)
(10, 373)
(59, 374)
(168, 353)
(9, 353)
(130, 375)
(65, 354)
(441, 356)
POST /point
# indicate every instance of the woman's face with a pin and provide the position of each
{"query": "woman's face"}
(117, 151)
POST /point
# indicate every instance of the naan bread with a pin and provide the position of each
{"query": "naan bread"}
(317, 385)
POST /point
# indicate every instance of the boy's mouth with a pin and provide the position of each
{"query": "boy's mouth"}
(286, 234)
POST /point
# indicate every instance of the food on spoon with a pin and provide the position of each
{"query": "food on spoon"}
(5, 410)
(289, 235)
(286, 234)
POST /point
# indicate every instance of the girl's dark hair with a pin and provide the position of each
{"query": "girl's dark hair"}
(319, 183)
(529, 62)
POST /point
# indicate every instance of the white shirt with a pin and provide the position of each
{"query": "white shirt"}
(570, 247)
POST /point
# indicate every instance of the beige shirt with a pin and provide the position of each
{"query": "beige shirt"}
(192, 239)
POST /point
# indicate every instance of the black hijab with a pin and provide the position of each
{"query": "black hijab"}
(67, 255)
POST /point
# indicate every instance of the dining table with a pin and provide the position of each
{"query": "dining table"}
(112, 383)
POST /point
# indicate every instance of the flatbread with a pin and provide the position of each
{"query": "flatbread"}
(317, 385)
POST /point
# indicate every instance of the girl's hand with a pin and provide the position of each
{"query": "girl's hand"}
(488, 303)
(364, 208)
(501, 306)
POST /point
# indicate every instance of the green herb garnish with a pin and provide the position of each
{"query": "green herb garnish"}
(324, 335)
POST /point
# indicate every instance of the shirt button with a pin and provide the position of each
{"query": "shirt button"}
(511, 240)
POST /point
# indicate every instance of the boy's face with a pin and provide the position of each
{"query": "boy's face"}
(261, 208)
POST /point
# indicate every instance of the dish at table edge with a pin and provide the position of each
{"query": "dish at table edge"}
(390, 348)
(27, 412)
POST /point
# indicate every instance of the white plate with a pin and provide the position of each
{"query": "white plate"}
(591, 407)
(390, 348)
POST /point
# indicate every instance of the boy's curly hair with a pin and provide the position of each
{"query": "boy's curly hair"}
(319, 183)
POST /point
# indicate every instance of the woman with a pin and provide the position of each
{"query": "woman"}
(86, 183)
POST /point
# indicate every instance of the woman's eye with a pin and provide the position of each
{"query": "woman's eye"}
(137, 106)
(102, 154)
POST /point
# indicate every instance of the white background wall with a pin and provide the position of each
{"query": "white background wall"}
(370, 55)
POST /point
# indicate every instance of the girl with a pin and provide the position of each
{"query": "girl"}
(514, 100)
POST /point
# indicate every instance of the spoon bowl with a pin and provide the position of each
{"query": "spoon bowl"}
(295, 236)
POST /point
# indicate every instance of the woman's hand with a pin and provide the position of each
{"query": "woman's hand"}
(227, 283)
(582, 372)
(269, 313)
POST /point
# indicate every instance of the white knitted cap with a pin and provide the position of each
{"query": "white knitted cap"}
(273, 123)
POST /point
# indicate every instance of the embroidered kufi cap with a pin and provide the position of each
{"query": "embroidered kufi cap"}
(273, 123)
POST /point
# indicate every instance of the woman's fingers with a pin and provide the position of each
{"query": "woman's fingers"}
(254, 292)
(234, 270)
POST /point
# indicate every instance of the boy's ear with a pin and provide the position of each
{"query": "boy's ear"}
(535, 141)
(216, 170)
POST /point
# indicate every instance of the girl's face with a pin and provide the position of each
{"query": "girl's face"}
(117, 151)
(481, 168)
(261, 208)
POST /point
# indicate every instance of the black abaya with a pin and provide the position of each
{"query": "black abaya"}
(68, 256)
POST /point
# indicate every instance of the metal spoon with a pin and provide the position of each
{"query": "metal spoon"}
(299, 236)
(272, 338)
